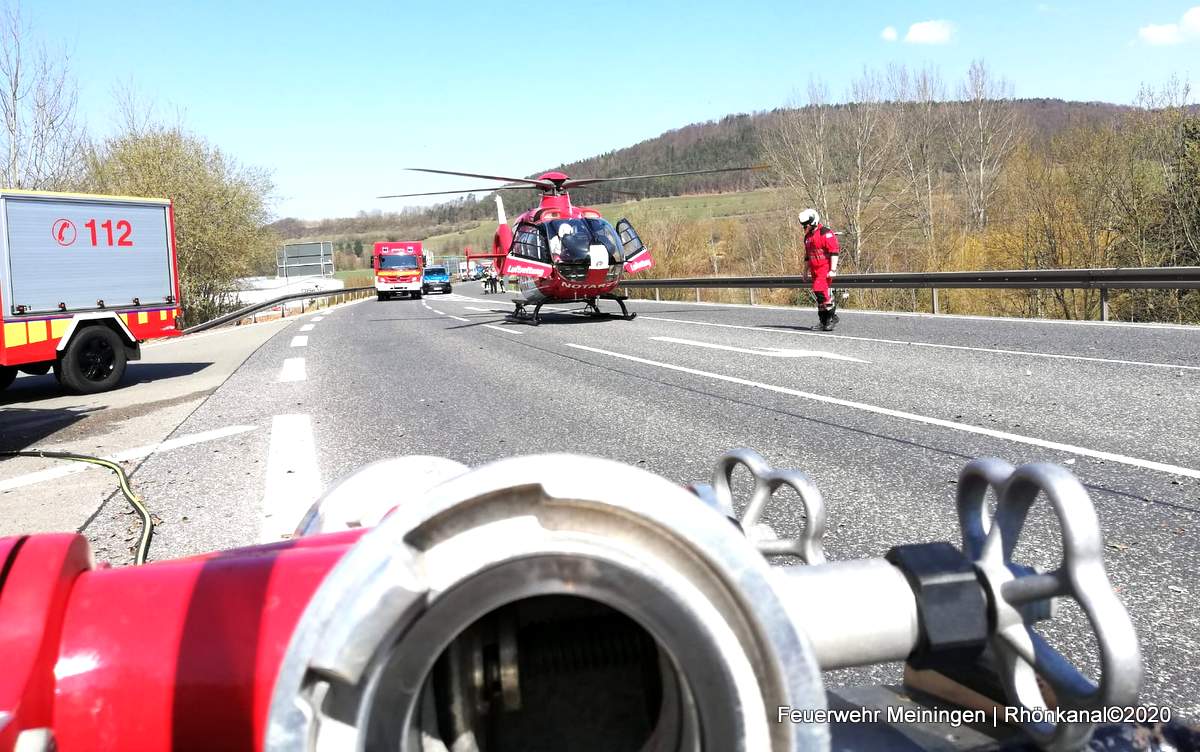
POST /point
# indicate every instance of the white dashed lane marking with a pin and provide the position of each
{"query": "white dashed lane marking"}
(292, 370)
(502, 329)
(293, 478)
(307, 328)
(300, 340)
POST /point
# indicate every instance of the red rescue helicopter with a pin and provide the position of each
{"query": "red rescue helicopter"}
(562, 253)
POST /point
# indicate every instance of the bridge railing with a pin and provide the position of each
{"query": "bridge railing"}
(1155, 277)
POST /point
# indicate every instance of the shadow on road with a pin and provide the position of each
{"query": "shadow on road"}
(548, 319)
(813, 328)
(34, 388)
(141, 373)
(22, 426)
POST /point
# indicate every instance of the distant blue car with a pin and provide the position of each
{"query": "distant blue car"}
(436, 279)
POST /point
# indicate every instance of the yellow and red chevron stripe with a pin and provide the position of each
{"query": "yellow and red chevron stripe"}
(35, 340)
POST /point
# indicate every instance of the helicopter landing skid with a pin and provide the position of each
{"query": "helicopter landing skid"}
(625, 313)
(521, 314)
(592, 309)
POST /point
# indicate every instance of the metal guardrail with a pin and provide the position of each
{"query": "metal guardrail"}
(1158, 277)
(241, 313)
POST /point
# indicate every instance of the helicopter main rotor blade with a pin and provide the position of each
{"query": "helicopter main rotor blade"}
(619, 193)
(575, 183)
(526, 181)
(488, 189)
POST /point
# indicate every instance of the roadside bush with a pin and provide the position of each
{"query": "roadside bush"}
(221, 208)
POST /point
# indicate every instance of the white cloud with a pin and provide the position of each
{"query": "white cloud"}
(888, 34)
(929, 32)
(1191, 21)
(1187, 29)
(1160, 34)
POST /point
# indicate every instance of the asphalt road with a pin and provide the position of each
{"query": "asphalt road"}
(882, 414)
(173, 378)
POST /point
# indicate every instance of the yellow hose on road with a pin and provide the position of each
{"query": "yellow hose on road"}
(143, 545)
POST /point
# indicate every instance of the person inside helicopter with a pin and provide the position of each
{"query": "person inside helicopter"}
(587, 243)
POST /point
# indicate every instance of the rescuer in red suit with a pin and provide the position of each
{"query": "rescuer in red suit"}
(820, 265)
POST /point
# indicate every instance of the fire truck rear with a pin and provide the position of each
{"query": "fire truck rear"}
(398, 268)
(83, 281)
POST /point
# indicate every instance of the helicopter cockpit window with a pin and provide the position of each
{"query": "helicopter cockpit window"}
(530, 243)
(571, 239)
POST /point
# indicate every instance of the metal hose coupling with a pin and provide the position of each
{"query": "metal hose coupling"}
(565, 602)
(417, 639)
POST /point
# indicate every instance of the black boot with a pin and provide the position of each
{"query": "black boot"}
(833, 319)
(823, 315)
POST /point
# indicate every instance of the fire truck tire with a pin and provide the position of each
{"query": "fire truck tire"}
(380, 296)
(416, 296)
(93, 362)
(7, 374)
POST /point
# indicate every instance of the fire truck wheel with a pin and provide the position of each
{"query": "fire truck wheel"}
(93, 362)
(416, 296)
(380, 296)
(7, 374)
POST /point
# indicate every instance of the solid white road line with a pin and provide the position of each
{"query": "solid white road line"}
(772, 352)
(460, 318)
(128, 455)
(307, 327)
(292, 370)
(484, 310)
(300, 340)
(916, 314)
(927, 344)
(502, 329)
(293, 479)
(440, 313)
(1004, 435)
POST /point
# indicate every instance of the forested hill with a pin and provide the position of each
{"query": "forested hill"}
(734, 140)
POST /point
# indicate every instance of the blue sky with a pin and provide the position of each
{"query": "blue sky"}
(336, 98)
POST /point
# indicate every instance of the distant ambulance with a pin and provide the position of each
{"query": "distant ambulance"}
(84, 280)
(399, 268)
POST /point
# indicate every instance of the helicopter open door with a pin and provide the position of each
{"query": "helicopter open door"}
(529, 253)
(637, 255)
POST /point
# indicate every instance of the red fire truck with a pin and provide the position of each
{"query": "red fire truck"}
(83, 281)
(399, 267)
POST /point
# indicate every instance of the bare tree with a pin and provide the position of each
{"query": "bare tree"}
(42, 140)
(982, 130)
(797, 146)
(921, 144)
(1169, 130)
(863, 145)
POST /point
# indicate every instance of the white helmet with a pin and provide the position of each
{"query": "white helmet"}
(809, 217)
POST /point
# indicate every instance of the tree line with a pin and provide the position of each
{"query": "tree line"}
(222, 208)
(924, 176)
